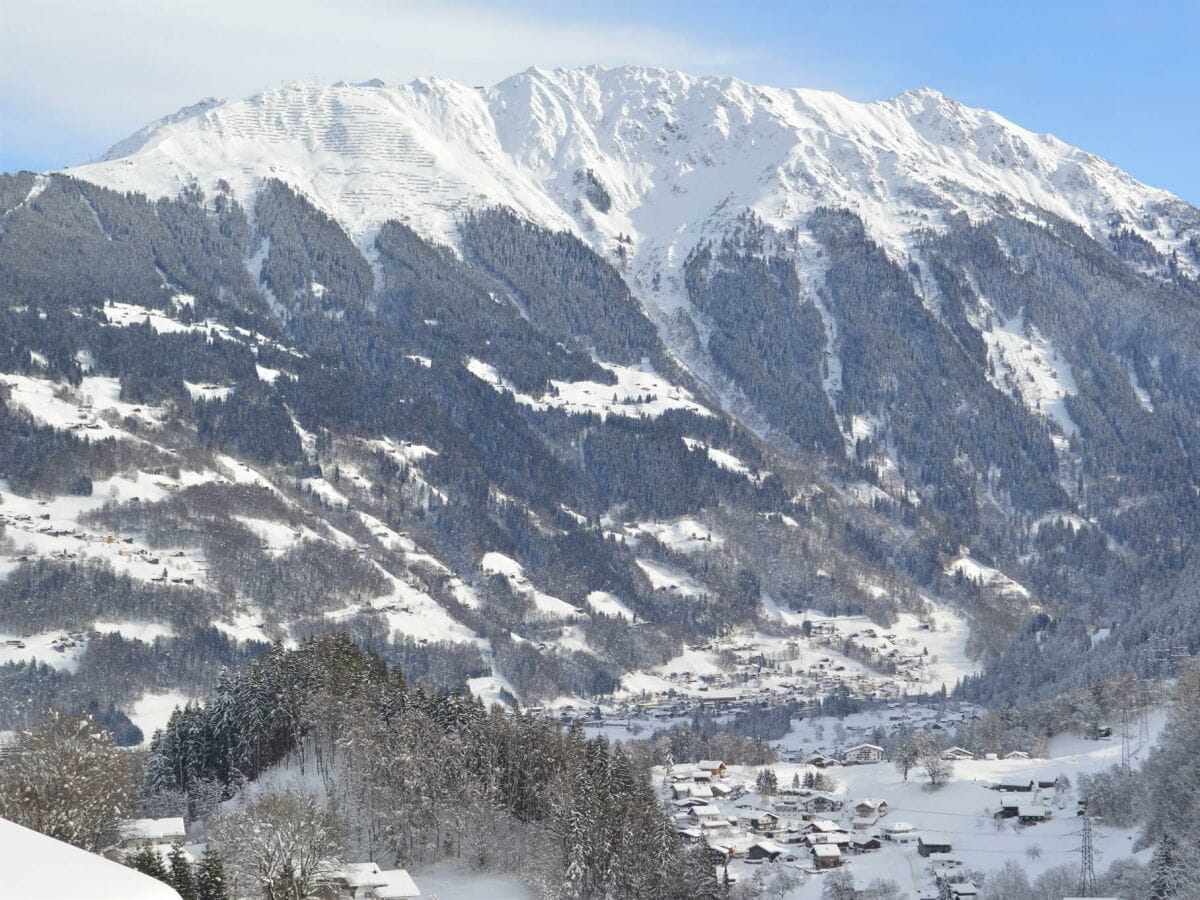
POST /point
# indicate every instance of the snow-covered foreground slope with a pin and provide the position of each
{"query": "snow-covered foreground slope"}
(649, 160)
(36, 867)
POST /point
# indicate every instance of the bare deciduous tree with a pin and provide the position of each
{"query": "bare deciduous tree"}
(65, 778)
(283, 843)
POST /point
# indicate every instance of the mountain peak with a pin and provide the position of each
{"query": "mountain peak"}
(673, 159)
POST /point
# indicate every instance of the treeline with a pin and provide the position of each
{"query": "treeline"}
(419, 777)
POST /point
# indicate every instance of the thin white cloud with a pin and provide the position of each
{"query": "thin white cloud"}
(103, 68)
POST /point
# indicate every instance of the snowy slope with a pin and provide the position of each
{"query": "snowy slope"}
(678, 157)
(37, 867)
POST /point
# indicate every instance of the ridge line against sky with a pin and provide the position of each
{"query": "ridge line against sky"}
(1121, 80)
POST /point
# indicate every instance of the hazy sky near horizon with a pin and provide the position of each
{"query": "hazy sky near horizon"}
(1121, 79)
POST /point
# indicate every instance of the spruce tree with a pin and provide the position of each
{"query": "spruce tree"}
(210, 876)
(148, 862)
(1166, 879)
(181, 876)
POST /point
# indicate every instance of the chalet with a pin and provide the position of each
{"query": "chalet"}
(822, 803)
(767, 851)
(1032, 813)
(925, 848)
(708, 817)
(945, 867)
(870, 807)
(822, 826)
(1016, 754)
(837, 838)
(689, 789)
(957, 754)
(866, 843)
(963, 890)
(863, 823)
(1104, 733)
(900, 833)
(719, 854)
(820, 760)
(135, 832)
(682, 772)
(368, 881)
(1016, 786)
(826, 856)
(1008, 809)
(763, 822)
(713, 767)
(863, 753)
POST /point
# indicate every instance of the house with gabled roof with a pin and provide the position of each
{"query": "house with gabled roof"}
(863, 753)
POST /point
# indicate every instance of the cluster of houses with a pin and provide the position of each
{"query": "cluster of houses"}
(795, 830)
(814, 830)
(882, 650)
(352, 881)
(767, 676)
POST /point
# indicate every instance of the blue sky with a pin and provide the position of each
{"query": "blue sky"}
(1119, 79)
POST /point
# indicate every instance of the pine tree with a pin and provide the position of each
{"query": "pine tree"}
(210, 877)
(767, 782)
(1166, 877)
(148, 862)
(181, 876)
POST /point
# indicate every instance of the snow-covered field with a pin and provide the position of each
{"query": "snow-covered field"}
(152, 711)
(638, 393)
(445, 882)
(1031, 368)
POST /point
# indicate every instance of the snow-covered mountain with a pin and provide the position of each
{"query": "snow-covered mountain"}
(533, 388)
(666, 159)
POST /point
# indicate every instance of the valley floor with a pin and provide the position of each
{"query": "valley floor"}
(961, 814)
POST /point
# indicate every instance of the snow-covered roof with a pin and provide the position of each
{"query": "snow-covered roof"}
(824, 825)
(826, 851)
(398, 884)
(37, 867)
(873, 802)
(153, 829)
(366, 874)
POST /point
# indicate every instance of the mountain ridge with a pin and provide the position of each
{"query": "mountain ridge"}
(539, 128)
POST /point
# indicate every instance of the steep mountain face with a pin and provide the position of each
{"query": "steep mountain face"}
(527, 387)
